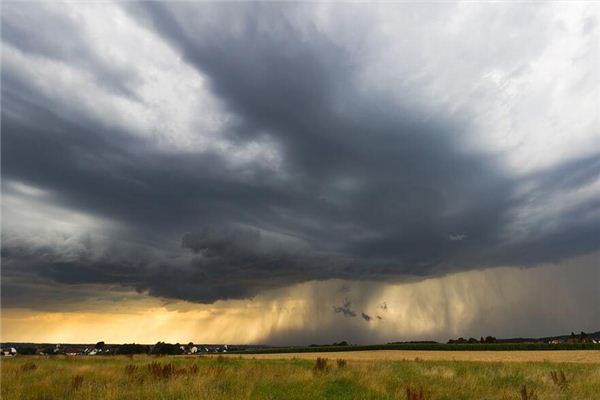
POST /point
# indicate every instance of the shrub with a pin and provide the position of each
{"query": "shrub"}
(320, 365)
(193, 369)
(341, 363)
(76, 382)
(414, 394)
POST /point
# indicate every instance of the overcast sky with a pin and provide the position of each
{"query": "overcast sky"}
(300, 171)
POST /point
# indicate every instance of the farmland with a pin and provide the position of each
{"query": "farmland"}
(572, 356)
(364, 375)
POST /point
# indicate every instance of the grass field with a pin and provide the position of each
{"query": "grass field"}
(183, 377)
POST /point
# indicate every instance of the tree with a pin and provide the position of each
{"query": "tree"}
(133, 349)
(100, 346)
(26, 350)
(166, 348)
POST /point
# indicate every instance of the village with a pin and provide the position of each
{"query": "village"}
(100, 348)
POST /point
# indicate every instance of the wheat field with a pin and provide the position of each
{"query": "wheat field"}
(185, 377)
(557, 356)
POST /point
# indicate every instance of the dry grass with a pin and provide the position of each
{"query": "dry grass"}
(320, 365)
(527, 394)
(560, 379)
(187, 377)
(558, 356)
(76, 382)
(414, 394)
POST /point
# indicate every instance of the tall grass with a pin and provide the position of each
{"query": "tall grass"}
(186, 378)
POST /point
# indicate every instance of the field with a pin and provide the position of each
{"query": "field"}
(362, 377)
(572, 356)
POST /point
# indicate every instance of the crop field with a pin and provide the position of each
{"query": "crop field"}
(331, 376)
(562, 356)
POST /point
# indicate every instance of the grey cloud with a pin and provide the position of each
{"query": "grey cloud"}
(42, 30)
(369, 188)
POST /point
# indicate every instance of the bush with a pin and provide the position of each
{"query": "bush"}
(341, 363)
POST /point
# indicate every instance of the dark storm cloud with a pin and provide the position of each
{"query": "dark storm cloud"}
(40, 30)
(373, 189)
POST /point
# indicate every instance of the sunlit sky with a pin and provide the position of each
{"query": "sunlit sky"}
(295, 173)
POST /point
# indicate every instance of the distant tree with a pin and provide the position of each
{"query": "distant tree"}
(28, 351)
(100, 345)
(190, 344)
(166, 348)
(133, 349)
(472, 340)
(490, 339)
(49, 350)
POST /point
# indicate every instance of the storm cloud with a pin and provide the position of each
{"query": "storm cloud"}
(317, 143)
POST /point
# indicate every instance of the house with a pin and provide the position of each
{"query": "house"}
(8, 352)
(193, 350)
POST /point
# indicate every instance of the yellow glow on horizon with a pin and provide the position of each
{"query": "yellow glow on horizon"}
(474, 303)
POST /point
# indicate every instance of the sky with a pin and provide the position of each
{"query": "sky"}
(295, 173)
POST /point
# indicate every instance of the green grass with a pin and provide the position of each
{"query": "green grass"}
(62, 377)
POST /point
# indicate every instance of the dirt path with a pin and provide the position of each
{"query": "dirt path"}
(575, 356)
